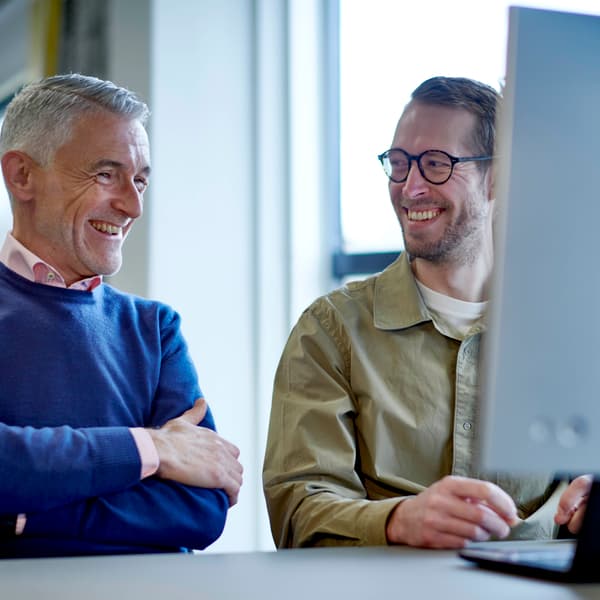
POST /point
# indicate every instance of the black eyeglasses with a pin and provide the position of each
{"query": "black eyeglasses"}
(435, 166)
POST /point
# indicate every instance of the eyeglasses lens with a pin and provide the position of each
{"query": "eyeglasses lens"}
(435, 166)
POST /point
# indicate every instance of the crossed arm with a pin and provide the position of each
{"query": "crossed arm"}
(84, 484)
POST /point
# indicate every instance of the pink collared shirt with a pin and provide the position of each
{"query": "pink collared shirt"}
(25, 263)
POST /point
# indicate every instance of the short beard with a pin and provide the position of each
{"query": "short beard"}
(460, 244)
(454, 247)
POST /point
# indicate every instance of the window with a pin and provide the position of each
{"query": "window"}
(386, 49)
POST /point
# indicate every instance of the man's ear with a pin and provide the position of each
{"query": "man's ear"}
(17, 168)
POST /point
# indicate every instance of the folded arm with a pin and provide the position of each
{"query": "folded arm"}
(44, 468)
(160, 511)
(157, 513)
(85, 482)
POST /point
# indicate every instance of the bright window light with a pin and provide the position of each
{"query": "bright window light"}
(387, 48)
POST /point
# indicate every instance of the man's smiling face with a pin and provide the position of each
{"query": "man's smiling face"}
(85, 201)
(440, 223)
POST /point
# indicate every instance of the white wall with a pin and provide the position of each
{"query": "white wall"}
(202, 251)
(232, 235)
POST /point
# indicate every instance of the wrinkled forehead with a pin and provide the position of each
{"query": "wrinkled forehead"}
(427, 126)
(105, 136)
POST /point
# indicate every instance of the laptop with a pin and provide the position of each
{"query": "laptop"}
(540, 393)
(576, 560)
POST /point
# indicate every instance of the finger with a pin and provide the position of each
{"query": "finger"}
(231, 472)
(195, 414)
(489, 521)
(579, 488)
(479, 520)
(232, 490)
(237, 469)
(452, 537)
(231, 466)
(486, 493)
(572, 497)
(232, 449)
(237, 472)
(233, 498)
(225, 447)
(236, 475)
(466, 530)
(498, 501)
(576, 521)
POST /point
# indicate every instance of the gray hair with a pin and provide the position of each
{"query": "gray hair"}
(39, 119)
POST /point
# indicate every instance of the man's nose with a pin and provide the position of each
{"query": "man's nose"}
(415, 184)
(130, 200)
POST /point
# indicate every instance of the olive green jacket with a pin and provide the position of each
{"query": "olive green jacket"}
(372, 404)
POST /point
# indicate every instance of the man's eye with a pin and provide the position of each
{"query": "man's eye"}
(437, 164)
(104, 177)
(398, 164)
(141, 184)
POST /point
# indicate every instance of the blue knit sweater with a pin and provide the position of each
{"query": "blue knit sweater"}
(77, 369)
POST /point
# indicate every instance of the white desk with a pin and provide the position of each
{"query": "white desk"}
(344, 573)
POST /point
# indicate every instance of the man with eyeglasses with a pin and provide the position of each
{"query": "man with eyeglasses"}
(372, 437)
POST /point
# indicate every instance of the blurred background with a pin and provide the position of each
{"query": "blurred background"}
(267, 118)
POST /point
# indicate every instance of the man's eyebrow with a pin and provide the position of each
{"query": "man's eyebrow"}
(104, 163)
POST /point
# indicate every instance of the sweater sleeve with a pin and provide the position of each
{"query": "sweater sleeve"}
(43, 468)
(153, 512)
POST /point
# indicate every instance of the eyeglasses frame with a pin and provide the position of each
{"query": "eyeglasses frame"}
(417, 158)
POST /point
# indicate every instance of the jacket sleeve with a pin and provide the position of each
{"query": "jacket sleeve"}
(311, 478)
(153, 512)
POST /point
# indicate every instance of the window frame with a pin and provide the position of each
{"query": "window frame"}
(344, 264)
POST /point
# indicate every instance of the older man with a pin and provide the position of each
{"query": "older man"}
(100, 451)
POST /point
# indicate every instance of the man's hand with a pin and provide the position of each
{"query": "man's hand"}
(572, 503)
(196, 455)
(452, 512)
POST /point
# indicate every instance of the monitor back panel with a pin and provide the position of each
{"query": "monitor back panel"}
(541, 358)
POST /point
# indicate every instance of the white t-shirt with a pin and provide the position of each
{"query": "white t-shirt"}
(451, 317)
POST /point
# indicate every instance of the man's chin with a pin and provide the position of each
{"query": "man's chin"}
(109, 269)
(430, 253)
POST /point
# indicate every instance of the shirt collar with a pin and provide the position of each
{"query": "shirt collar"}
(25, 263)
(396, 286)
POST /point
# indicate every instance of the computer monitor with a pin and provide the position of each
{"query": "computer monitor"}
(540, 377)
(540, 400)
